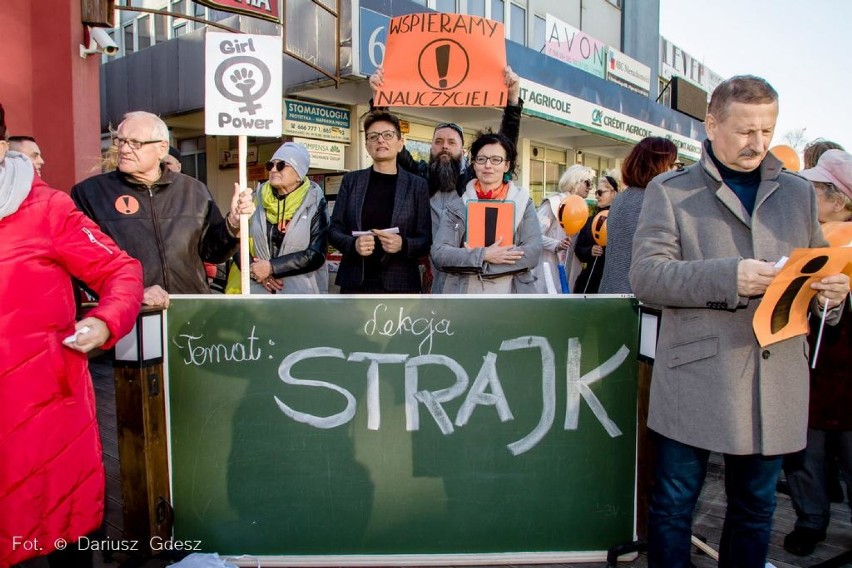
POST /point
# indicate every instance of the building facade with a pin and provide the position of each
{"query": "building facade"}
(588, 108)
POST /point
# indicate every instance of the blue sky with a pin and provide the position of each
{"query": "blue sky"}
(803, 48)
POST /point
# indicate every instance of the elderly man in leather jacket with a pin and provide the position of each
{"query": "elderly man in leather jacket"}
(166, 220)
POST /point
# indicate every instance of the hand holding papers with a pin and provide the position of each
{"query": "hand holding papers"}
(389, 239)
(392, 230)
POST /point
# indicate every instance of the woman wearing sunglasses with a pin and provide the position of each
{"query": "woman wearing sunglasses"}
(288, 231)
(577, 180)
(587, 250)
(501, 267)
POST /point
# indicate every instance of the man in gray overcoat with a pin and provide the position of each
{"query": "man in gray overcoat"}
(705, 249)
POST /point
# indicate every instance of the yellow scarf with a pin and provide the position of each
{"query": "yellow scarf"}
(276, 214)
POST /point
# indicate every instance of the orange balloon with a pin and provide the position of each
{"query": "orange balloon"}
(837, 233)
(599, 227)
(573, 213)
(787, 155)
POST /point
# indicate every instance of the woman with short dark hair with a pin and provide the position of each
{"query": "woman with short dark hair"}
(500, 267)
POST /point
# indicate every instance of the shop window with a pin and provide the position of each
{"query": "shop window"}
(445, 5)
(536, 181)
(193, 159)
(601, 164)
(476, 7)
(546, 166)
(497, 10)
(420, 149)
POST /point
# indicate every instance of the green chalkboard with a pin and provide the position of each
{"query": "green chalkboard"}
(402, 425)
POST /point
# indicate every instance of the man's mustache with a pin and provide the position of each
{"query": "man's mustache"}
(747, 153)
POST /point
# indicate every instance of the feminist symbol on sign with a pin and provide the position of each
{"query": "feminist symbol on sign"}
(243, 81)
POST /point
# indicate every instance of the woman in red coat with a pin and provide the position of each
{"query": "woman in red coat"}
(51, 470)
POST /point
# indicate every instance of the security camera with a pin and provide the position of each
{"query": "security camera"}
(99, 42)
(102, 38)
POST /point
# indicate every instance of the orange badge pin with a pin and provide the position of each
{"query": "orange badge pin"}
(126, 205)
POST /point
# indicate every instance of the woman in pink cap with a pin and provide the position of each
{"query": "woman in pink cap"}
(829, 419)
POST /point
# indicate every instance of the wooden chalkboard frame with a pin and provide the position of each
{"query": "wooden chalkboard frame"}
(599, 324)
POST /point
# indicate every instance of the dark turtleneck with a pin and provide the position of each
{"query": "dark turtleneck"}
(743, 184)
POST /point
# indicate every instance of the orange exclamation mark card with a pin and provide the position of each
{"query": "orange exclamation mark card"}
(443, 60)
(488, 221)
(783, 310)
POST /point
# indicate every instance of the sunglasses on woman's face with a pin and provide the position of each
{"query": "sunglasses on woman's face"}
(601, 192)
(279, 166)
(588, 183)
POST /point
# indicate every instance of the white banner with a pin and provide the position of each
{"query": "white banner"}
(324, 155)
(676, 62)
(628, 72)
(573, 46)
(243, 89)
(555, 106)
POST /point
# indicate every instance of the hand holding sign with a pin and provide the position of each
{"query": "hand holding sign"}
(241, 204)
(832, 290)
(496, 254)
(460, 60)
(513, 83)
(754, 277)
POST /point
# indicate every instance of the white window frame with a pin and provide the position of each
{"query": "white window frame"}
(507, 10)
(151, 37)
(123, 30)
(464, 7)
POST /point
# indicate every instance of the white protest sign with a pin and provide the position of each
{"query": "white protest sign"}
(242, 80)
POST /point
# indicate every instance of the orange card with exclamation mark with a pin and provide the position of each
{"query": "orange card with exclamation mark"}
(443, 60)
(783, 310)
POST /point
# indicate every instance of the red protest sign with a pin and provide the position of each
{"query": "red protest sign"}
(459, 62)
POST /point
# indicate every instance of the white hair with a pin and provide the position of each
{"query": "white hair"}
(574, 175)
(159, 130)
